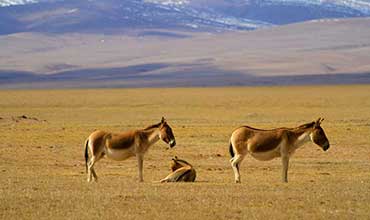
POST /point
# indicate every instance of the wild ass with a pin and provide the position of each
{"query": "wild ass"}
(267, 144)
(182, 171)
(120, 146)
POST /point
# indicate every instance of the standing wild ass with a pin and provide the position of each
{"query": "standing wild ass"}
(120, 146)
(267, 144)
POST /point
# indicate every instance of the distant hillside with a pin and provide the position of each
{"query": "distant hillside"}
(320, 51)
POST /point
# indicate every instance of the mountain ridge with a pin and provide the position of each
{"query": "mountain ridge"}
(300, 53)
(57, 16)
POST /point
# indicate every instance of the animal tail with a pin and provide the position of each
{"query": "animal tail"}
(231, 151)
(86, 153)
(232, 154)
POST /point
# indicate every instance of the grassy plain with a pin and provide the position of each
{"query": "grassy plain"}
(43, 174)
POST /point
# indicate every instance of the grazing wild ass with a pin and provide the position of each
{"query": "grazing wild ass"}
(267, 144)
(120, 146)
(182, 171)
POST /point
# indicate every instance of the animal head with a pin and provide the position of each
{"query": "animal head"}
(175, 164)
(166, 134)
(318, 135)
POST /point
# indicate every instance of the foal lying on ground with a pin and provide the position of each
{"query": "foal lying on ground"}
(120, 146)
(182, 171)
(268, 144)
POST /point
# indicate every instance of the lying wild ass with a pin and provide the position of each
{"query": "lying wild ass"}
(120, 146)
(267, 144)
(182, 171)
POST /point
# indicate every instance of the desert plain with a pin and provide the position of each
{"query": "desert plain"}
(43, 170)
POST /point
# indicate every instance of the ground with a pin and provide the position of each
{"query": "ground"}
(43, 170)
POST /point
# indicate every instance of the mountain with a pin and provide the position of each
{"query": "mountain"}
(59, 16)
(286, 11)
(113, 15)
(4, 3)
(114, 43)
(316, 52)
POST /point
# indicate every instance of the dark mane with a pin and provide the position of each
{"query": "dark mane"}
(181, 161)
(153, 126)
(307, 125)
(304, 126)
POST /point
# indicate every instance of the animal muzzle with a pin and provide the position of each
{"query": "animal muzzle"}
(172, 143)
(326, 146)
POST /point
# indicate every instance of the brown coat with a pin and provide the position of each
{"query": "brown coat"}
(182, 171)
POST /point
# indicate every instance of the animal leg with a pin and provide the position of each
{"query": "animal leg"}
(285, 161)
(164, 180)
(90, 168)
(89, 172)
(140, 161)
(235, 164)
(94, 174)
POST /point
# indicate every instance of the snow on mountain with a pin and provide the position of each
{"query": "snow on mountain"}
(362, 6)
(285, 11)
(96, 15)
(214, 15)
(169, 2)
(4, 3)
(274, 11)
(209, 16)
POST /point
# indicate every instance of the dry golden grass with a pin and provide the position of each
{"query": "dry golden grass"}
(43, 174)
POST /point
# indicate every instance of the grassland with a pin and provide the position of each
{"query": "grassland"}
(43, 174)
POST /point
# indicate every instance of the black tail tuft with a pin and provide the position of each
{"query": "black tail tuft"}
(86, 153)
(231, 150)
(232, 154)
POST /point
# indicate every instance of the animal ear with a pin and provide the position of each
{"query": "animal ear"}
(163, 120)
(318, 122)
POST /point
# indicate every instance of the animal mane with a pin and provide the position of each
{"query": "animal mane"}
(153, 126)
(303, 126)
(182, 161)
(307, 125)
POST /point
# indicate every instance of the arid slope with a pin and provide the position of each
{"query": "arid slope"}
(140, 58)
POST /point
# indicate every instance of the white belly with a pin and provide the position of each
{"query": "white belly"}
(118, 154)
(269, 155)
